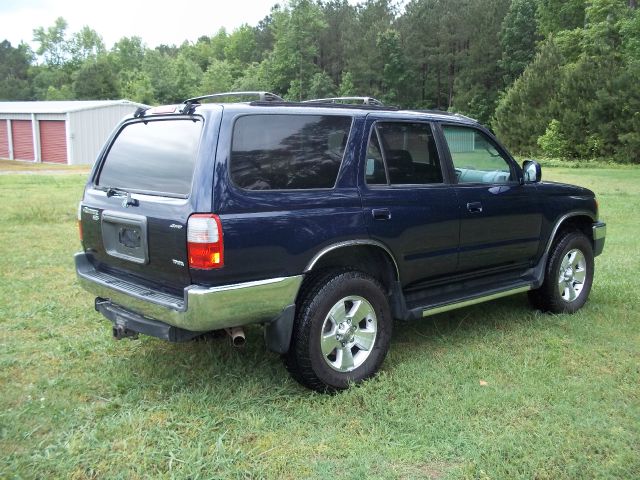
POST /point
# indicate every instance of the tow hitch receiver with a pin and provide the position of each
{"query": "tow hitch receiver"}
(128, 324)
(120, 332)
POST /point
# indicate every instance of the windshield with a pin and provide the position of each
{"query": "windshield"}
(156, 156)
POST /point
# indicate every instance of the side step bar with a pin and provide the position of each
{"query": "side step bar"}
(427, 311)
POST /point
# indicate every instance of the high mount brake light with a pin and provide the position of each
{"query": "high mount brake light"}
(205, 244)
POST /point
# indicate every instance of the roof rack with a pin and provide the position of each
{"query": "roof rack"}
(343, 100)
(465, 117)
(262, 96)
(338, 106)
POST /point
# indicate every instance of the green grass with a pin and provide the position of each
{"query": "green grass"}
(25, 166)
(561, 398)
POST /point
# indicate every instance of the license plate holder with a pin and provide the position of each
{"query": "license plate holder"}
(124, 236)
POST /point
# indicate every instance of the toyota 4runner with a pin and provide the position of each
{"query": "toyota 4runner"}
(324, 222)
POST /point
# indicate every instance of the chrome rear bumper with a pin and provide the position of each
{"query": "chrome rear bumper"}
(200, 309)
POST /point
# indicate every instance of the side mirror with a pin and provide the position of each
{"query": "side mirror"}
(532, 171)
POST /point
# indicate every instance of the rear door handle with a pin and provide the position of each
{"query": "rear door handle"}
(474, 207)
(381, 214)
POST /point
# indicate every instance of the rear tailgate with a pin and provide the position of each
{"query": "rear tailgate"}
(135, 211)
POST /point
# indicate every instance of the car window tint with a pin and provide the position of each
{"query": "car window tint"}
(284, 152)
(475, 157)
(410, 153)
(153, 156)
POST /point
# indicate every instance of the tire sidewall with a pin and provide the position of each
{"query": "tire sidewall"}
(341, 286)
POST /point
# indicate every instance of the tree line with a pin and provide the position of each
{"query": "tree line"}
(552, 77)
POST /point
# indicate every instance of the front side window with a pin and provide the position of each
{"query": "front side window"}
(407, 150)
(475, 157)
(288, 152)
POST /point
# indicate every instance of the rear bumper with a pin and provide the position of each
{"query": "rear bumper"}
(201, 309)
(599, 235)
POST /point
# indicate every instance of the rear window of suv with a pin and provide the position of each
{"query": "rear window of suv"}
(156, 156)
(288, 152)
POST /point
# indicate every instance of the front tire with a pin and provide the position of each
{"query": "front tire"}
(568, 275)
(341, 333)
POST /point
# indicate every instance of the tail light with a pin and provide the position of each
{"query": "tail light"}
(80, 221)
(204, 242)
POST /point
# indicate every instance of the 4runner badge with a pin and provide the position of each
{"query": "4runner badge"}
(180, 263)
(175, 225)
(93, 212)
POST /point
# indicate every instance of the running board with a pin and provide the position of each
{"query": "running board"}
(427, 311)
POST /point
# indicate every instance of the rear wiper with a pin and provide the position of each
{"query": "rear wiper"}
(113, 192)
(119, 192)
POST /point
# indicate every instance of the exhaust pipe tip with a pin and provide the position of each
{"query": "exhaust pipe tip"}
(238, 338)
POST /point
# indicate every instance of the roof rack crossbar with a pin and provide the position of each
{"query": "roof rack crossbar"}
(263, 96)
(361, 100)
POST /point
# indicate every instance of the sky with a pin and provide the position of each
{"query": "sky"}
(157, 22)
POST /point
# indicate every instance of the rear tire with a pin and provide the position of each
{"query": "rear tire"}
(568, 275)
(341, 333)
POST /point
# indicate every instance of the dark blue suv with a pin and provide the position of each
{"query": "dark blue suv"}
(324, 222)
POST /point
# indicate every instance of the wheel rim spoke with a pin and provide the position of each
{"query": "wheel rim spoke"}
(572, 293)
(578, 260)
(329, 343)
(338, 313)
(579, 276)
(344, 359)
(364, 339)
(358, 311)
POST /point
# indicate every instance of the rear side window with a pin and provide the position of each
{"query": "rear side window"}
(157, 156)
(288, 152)
(407, 150)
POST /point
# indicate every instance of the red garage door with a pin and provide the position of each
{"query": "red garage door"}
(4, 140)
(53, 141)
(22, 140)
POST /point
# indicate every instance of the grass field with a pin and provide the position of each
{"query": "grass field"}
(11, 166)
(495, 391)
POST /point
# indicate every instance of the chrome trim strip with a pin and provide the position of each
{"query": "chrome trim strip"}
(202, 308)
(559, 222)
(351, 243)
(465, 303)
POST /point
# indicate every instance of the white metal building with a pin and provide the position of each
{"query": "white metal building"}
(70, 132)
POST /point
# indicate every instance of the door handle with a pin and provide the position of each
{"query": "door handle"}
(474, 207)
(381, 214)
